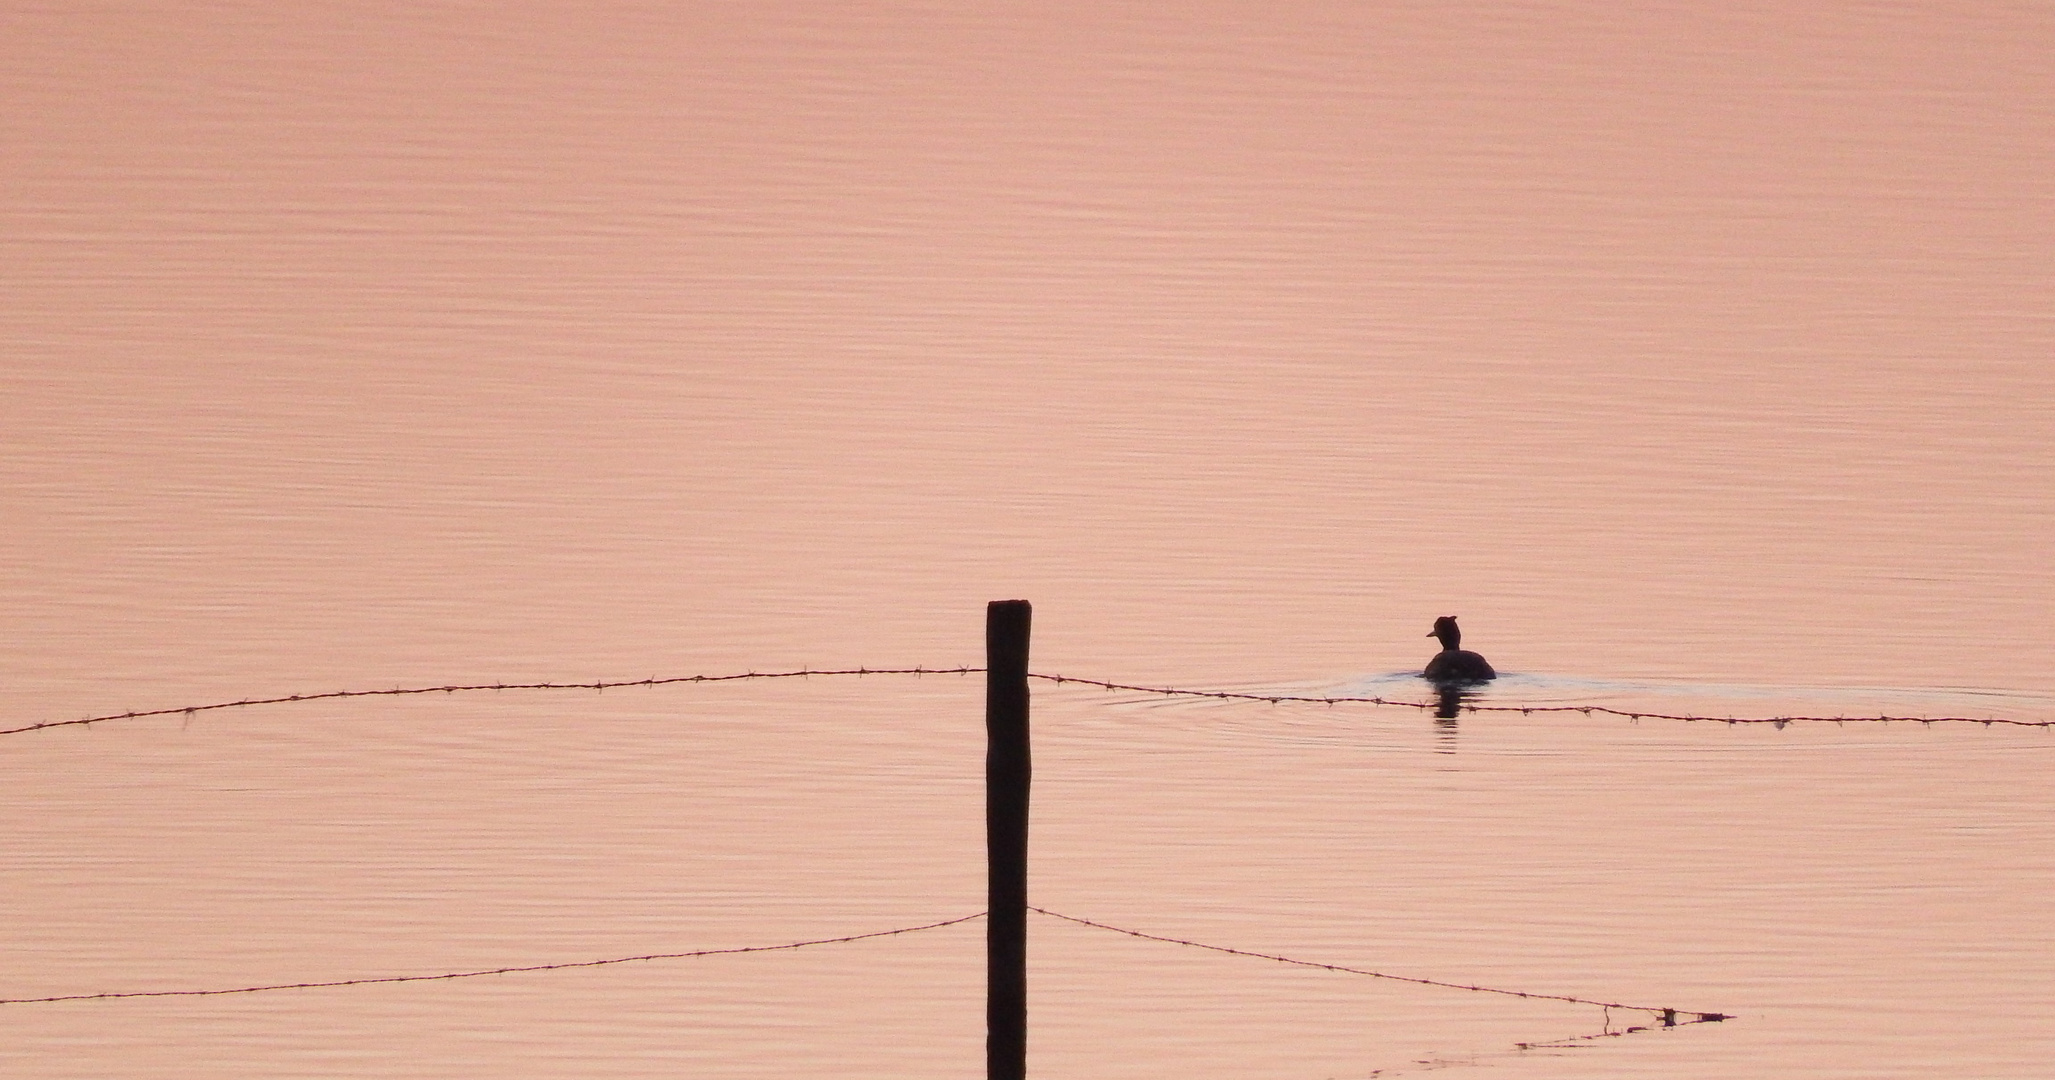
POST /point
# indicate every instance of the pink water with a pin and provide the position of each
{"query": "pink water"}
(1697, 359)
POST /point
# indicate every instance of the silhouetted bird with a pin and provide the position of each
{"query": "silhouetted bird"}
(1454, 664)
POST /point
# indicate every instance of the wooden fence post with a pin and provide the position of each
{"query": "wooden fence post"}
(1007, 769)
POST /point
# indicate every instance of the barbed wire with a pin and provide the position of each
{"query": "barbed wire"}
(459, 688)
(1060, 680)
(1668, 1016)
(1630, 714)
(488, 971)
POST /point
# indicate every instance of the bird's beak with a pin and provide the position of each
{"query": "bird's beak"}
(1430, 633)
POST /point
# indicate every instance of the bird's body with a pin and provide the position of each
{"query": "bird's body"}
(1458, 665)
(1454, 664)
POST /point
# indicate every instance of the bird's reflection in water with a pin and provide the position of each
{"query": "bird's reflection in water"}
(1448, 703)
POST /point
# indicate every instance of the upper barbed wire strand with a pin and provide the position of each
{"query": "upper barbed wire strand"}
(455, 688)
(1165, 691)
(1630, 714)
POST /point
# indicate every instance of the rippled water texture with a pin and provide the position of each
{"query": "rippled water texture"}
(1696, 356)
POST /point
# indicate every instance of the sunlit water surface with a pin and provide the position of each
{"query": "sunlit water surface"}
(1699, 365)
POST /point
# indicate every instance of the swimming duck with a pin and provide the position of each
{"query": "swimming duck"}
(1454, 664)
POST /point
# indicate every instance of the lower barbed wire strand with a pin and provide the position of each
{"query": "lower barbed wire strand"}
(490, 971)
(1661, 1011)
(1669, 1015)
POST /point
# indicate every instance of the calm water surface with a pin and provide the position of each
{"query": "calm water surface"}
(1698, 361)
